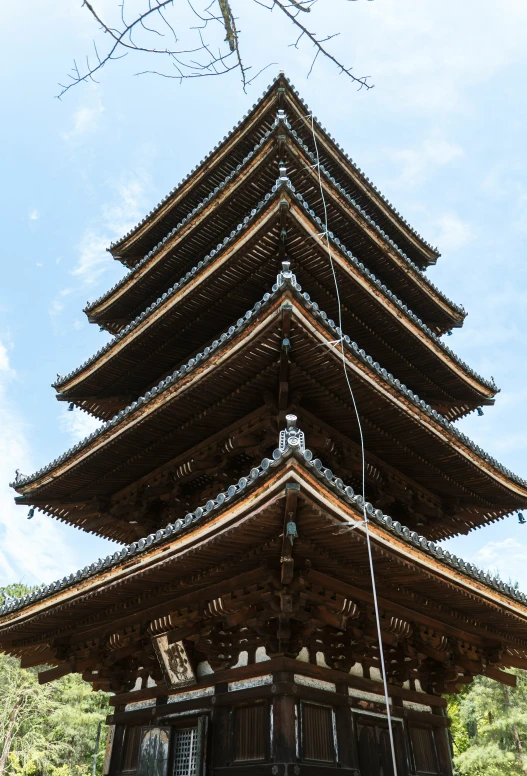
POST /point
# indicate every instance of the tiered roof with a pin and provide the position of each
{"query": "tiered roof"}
(233, 233)
(227, 320)
(238, 491)
(227, 382)
(225, 157)
(421, 588)
(228, 204)
(225, 281)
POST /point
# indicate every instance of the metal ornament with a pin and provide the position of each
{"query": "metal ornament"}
(291, 437)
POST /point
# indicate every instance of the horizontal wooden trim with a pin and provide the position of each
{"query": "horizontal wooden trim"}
(426, 719)
(283, 769)
(285, 664)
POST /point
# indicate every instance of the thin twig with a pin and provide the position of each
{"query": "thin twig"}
(198, 61)
(361, 81)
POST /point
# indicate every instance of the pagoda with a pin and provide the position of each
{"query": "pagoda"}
(236, 627)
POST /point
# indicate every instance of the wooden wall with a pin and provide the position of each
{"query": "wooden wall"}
(278, 725)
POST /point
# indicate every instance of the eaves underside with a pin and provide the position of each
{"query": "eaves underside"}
(369, 241)
(131, 244)
(224, 286)
(380, 385)
(323, 489)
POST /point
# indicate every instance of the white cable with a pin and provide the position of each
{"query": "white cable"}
(365, 514)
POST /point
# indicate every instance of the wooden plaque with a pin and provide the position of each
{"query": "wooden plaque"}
(174, 662)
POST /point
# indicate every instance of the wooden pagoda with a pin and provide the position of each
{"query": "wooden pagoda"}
(236, 625)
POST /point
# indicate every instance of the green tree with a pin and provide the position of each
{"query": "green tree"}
(489, 728)
(50, 729)
(23, 708)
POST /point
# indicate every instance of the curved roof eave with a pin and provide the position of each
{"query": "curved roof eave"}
(229, 243)
(400, 223)
(117, 425)
(291, 444)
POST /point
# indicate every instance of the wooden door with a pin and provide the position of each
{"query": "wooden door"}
(153, 751)
(375, 756)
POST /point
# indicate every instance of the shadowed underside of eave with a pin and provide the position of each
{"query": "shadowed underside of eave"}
(213, 397)
(230, 153)
(203, 305)
(229, 209)
(248, 534)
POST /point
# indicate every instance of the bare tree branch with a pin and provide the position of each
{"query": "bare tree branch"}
(361, 81)
(302, 5)
(229, 24)
(192, 61)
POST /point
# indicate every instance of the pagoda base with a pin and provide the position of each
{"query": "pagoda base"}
(277, 718)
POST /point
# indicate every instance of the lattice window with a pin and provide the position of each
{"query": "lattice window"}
(424, 750)
(186, 752)
(250, 732)
(318, 742)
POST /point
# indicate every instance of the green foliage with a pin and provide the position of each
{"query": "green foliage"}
(489, 728)
(55, 724)
(50, 729)
(16, 590)
(458, 730)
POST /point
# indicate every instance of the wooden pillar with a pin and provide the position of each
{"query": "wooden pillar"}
(116, 750)
(284, 725)
(220, 733)
(348, 756)
(109, 749)
(443, 742)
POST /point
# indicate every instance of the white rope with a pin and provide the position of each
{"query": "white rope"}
(365, 514)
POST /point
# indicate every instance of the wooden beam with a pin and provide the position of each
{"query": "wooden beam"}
(37, 659)
(283, 389)
(206, 593)
(500, 676)
(350, 591)
(515, 662)
(286, 664)
(55, 673)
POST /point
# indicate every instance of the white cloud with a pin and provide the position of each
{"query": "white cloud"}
(41, 549)
(118, 217)
(93, 258)
(418, 163)
(452, 232)
(425, 56)
(497, 432)
(34, 215)
(77, 424)
(31, 551)
(56, 305)
(85, 120)
(55, 308)
(4, 359)
(507, 557)
(502, 556)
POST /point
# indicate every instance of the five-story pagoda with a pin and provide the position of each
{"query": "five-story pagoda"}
(236, 627)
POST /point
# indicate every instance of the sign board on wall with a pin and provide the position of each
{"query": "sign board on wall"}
(174, 662)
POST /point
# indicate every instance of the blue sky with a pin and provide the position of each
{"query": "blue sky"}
(442, 134)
